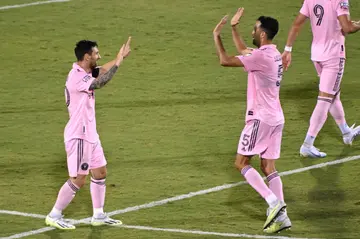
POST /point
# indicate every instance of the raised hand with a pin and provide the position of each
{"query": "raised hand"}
(220, 25)
(236, 18)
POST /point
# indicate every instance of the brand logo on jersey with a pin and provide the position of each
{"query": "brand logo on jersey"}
(250, 113)
(86, 78)
(344, 5)
(84, 166)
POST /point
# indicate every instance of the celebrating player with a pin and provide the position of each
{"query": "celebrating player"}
(82, 143)
(264, 121)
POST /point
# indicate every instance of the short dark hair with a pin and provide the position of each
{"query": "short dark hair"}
(269, 25)
(83, 47)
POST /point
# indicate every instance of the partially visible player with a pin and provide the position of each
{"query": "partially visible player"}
(83, 147)
(264, 121)
(330, 22)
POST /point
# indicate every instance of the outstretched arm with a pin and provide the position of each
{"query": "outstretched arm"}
(238, 41)
(293, 33)
(225, 60)
(104, 78)
(295, 30)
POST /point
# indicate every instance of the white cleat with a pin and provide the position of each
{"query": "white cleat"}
(279, 225)
(59, 223)
(104, 220)
(349, 137)
(311, 152)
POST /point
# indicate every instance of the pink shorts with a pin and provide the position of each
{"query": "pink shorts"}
(83, 156)
(330, 73)
(258, 138)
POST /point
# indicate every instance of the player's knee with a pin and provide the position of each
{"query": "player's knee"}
(241, 161)
(99, 173)
(324, 94)
(268, 166)
(79, 180)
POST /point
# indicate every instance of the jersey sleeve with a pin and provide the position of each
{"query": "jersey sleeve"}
(305, 9)
(252, 61)
(83, 82)
(342, 7)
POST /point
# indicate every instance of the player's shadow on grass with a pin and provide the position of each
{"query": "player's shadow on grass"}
(305, 98)
(96, 232)
(57, 234)
(325, 199)
(245, 200)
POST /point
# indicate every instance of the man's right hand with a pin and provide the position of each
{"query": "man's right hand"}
(124, 52)
(286, 59)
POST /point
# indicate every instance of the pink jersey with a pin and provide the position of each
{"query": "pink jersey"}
(81, 106)
(328, 40)
(264, 67)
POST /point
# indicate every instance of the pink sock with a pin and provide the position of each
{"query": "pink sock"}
(337, 112)
(318, 118)
(97, 190)
(256, 181)
(275, 185)
(66, 195)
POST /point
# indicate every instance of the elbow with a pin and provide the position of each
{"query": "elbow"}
(346, 30)
(223, 62)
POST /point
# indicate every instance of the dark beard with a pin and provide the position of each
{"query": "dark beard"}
(93, 66)
(255, 43)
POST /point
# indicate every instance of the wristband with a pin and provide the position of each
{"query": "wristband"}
(288, 48)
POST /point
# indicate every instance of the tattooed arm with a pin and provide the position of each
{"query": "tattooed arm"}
(104, 78)
(104, 68)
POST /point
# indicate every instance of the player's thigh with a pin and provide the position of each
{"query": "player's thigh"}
(98, 162)
(78, 153)
(273, 143)
(331, 75)
(253, 139)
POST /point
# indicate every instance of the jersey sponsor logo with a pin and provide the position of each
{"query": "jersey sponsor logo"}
(86, 78)
(344, 5)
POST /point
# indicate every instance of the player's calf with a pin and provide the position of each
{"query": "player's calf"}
(65, 196)
(273, 178)
(98, 189)
(255, 180)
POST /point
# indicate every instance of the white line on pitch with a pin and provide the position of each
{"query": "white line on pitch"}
(31, 4)
(176, 198)
(22, 214)
(208, 233)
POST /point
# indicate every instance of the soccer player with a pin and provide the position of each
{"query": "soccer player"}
(330, 22)
(264, 121)
(82, 143)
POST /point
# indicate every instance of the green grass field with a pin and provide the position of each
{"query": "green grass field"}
(169, 120)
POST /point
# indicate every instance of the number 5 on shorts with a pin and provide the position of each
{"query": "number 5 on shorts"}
(245, 140)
